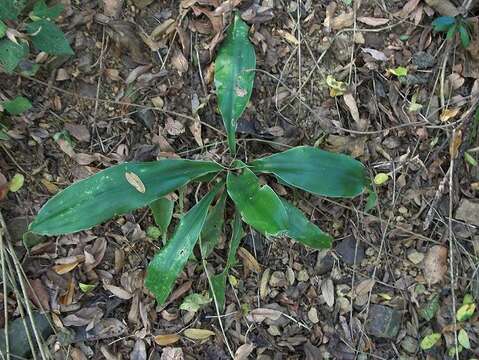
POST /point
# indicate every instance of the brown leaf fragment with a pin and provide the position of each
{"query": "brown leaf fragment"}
(166, 339)
(244, 351)
(249, 260)
(135, 181)
(118, 292)
(342, 21)
(371, 21)
(435, 264)
(352, 106)
(170, 353)
(260, 314)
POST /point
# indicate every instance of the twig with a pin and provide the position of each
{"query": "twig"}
(5, 298)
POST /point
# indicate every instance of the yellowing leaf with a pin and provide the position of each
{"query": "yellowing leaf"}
(463, 339)
(381, 178)
(194, 302)
(16, 183)
(166, 339)
(198, 334)
(455, 144)
(86, 288)
(135, 181)
(448, 114)
(399, 71)
(430, 340)
(465, 312)
(336, 88)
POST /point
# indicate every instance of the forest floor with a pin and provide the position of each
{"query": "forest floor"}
(394, 276)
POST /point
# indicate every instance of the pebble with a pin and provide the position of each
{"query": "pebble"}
(347, 250)
(415, 257)
(383, 322)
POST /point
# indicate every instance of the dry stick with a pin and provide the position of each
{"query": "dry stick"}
(451, 258)
(218, 310)
(5, 302)
(24, 290)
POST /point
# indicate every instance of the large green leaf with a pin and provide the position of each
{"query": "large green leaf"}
(259, 206)
(218, 281)
(41, 10)
(11, 54)
(115, 191)
(167, 264)
(48, 37)
(211, 234)
(443, 23)
(10, 9)
(234, 76)
(304, 231)
(316, 171)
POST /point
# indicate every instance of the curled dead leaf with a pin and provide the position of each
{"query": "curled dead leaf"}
(435, 264)
(260, 314)
(167, 339)
(118, 292)
(135, 181)
(249, 260)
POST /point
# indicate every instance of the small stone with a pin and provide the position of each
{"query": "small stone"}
(85, 62)
(313, 315)
(423, 60)
(415, 257)
(468, 211)
(324, 263)
(383, 322)
(290, 275)
(409, 344)
(303, 275)
(278, 279)
(347, 250)
(146, 116)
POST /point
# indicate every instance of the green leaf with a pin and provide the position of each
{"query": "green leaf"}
(451, 32)
(9, 9)
(109, 193)
(400, 71)
(260, 207)
(452, 351)
(16, 183)
(381, 178)
(443, 23)
(218, 282)
(429, 310)
(470, 159)
(194, 302)
(218, 288)
(153, 232)
(237, 234)
(167, 264)
(11, 54)
(3, 29)
(430, 340)
(468, 299)
(48, 37)
(371, 201)
(316, 171)
(162, 210)
(41, 10)
(464, 36)
(86, 288)
(302, 230)
(234, 76)
(211, 233)
(463, 339)
(17, 106)
(465, 312)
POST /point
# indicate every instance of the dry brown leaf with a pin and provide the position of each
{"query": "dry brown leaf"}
(136, 72)
(376, 54)
(342, 21)
(456, 81)
(170, 353)
(51, 187)
(260, 314)
(79, 132)
(195, 128)
(179, 62)
(38, 294)
(408, 8)
(174, 127)
(455, 144)
(435, 264)
(371, 21)
(135, 181)
(3, 186)
(67, 297)
(113, 74)
(448, 114)
(163, 29)
(112, 8)
(352, 106)
(95, 253)
(288, 37)
(65, 268)
(327, 290)
(118, 292)
(166, 339)
(249, 260)
(198, 334)
(364, 287)
(244, 351)
(263, 288)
